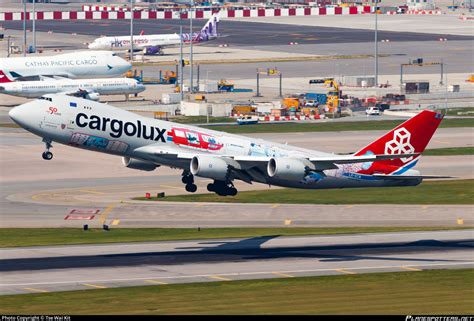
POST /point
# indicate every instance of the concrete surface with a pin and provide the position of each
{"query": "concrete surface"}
(80, 267)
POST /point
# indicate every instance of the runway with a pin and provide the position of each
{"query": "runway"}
(79, 267)
(36, 193)
(234, 33)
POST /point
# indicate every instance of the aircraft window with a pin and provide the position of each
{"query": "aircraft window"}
(114, 54)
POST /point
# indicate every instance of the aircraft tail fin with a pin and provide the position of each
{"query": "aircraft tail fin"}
(209, 31)
(410, 137)
(4, 78)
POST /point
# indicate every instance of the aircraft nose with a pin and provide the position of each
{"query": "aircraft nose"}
(20, 114)
(91, 46)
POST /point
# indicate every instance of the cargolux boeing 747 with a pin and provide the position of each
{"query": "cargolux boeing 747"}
(146, 143)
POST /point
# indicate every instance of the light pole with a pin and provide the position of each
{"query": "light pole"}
(181, 62)
(24, 28)
(191, 90)
(34, 26)
(376, 46)
(131, 30)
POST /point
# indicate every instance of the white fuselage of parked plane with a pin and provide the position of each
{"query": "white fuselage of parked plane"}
(139, 42)
(105, 86)
(83, 64)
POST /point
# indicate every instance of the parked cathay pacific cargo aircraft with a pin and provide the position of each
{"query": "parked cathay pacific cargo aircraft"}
(154, 44)
(82, 64)
(146, 143)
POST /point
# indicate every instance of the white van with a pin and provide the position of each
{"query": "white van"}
(372, 111)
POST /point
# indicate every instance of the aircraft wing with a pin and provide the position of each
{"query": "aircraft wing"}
(153, 152)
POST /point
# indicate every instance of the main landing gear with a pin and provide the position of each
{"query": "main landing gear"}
(188, 179)
(47, 155)
(222, 188)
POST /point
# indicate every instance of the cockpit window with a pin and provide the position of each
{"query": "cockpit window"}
(114, 54)
(46, 98)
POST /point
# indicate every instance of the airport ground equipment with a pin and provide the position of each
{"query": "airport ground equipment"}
(418, 62)
(268, 72)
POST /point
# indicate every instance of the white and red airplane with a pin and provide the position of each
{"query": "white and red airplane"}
(154, 44)
(146, 143)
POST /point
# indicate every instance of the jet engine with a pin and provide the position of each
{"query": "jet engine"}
(92, 96)
(138, 164)
(153, 50)
(289, 169)
(209, 167)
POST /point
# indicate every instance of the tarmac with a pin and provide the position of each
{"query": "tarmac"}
(81, 267)
(237, 33)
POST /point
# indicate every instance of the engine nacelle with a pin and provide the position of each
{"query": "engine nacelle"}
(154, 50)
(289, 169)
(92, 96)
(139, 164)
(209, 167)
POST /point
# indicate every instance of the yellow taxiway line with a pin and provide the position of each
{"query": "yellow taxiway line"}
(410, 268)
(345, 271)
(94, 286)
(155, 282)
(283, 275)
(218, 277)
(35, 290)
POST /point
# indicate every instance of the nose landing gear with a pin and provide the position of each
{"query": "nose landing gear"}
(188, 179)
(47, 155)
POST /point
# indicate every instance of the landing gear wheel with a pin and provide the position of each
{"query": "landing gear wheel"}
(47, 156)
(187, 178)
(211, 187)
(232, 191)
(222, 189)
(191, 188)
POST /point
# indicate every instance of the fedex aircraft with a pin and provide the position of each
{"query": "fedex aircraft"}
(83, 64)
(146, 143)
(85, 88)
(154, 44)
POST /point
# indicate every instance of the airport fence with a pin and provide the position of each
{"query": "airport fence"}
(177, 14)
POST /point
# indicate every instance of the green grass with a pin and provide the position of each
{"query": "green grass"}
(468, 111)
(10, 125)
(331, 126)
(429, 193)
(15, 237)
(449, 151)
(434, 292)
(201, 119)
